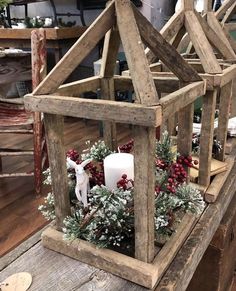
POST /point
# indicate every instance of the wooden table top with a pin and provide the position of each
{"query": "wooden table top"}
(53, 271)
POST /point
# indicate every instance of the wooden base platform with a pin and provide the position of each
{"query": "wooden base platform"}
(69, 274)
(144, 274)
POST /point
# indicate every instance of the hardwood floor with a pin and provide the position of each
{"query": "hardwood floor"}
(19, 215)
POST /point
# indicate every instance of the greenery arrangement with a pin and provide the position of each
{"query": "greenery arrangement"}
(109, 219)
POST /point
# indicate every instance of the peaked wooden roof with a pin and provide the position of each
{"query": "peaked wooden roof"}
(205, 34)
(121, 22)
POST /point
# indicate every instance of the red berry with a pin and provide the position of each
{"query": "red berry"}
(195, 162)
(124, 176)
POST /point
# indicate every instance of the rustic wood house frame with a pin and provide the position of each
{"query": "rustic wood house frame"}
(206, 38)
(120, 21)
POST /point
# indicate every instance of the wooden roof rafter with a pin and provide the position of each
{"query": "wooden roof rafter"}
(119, 22)
(205, 33)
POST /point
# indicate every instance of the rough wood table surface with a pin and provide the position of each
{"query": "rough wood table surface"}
(52, 271)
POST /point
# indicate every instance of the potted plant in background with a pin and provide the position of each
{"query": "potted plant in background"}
(3, 4)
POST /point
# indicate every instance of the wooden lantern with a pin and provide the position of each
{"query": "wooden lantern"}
(120, 21)
(209, 41)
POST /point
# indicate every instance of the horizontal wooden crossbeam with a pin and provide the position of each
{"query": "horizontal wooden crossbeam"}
(120, 112)
(181, 98)
(162, 84)
(78, 87)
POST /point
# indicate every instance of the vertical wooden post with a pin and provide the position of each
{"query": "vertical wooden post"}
(144, 173)
(109, 128)
(206, 139)
(207, 6)
(39, 69)
(54, 126)
(224, 110)
(109, 57)
(185, 131)
(188, 4)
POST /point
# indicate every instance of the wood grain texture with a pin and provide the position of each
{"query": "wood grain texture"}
(109, 128)
(110, 51)
(216, 37)
(224, 111)
(144, 173)
(181, 270)
(188, 5)
(201, 44)
(79, 87)
(168, 31)
(77, 52)
(228, 75)
(165, 52)
(163, 84)
(116, 263)
(15, 68)
(108, 65)
(214, 189)
(51, 33)
(54, 126)
(96, 109)
(144, 87)
(216, 26)
(172, 246)
(185, 129)
(175, 101)
(222, 10)
(206, 138)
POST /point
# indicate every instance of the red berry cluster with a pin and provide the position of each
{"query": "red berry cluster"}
(73, 155)
(97, 175)
(125, 183)
(176, 173)
(127, 147)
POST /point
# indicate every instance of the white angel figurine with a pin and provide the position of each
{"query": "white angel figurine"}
(82, 180)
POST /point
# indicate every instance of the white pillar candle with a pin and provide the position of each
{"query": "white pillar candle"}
(115, 165)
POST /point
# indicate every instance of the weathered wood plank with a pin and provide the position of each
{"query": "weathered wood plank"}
(109, 128)
(165, 52)
(206, 138)
(77, 52)
(185, 129)
(228, 75)
(224, 111)
(163, 84)
(79, 87)
(179, 37)
(216, 36)
(188, 5)
(118, 264)
(144, 86)
(168, 31)
(214, 189)
(172, 246)
(229, 13)
(96, 109)
(215, 25)
(15, 68)
(56, 152)
(51, 33)
(222, 10)
(201, 44)
(181, 270)
(144, 200)
(110, 51)
(181, 98)
(108, 65)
